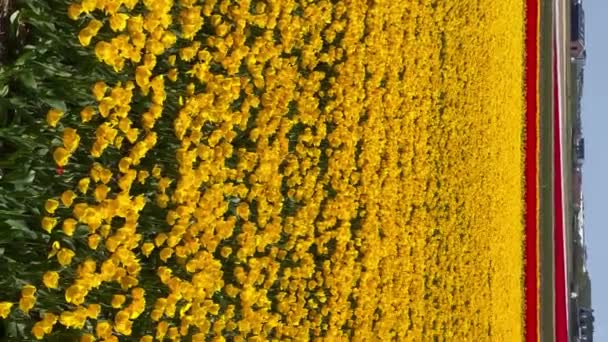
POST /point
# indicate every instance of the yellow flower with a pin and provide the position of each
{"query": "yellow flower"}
(187, 53)
(142, 78)
(105, 175)
(45, 326)
(166, 253)
(101, 192)
(48, 223)
(132, 134)
(172, 74)
(5, 309)
(53, 116)
(243, 210)
(64, 256)
(74, 11)
(27, 303)
(118, 141)
(68, 319)
(71, 139)
(89, 5)
(99, 90)
(79, 210)
(69, 225)
(51, 279)
(51, 205)
(226, 251)
(83, 185)
(146, 338)
(124, 164)
(142, 176)
(49, 319)
(75, 294)
(93, 310)
(38, 330)
(156, 171)
(118, 300)
(54, 249)
(138, 293)
(61, 156)
(147, 248)
(86, 34)
(118, 21)
(86, 114)
(93, 241)
(67, 198)
(87, 338)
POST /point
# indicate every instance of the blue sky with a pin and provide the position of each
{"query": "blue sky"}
(595, 170)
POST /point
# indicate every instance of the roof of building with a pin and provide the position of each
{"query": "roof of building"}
(577, 25)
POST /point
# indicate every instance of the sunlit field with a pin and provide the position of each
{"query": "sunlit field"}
(264, 170)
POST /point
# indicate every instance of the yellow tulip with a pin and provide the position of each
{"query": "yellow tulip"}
(70, 139)
(166, 253)
(38, 330)
(142, 77)
(93, 241)
(83, 185)
(5, 309)
(99, 90)
(161, 330)
(69, 225)
(118, 21)
(75, 294)
(67, 198)
(53, 116)
(87, 338)
(51, 205)
(101, 192)
(27, 303)
(54, 249)
(74, 11)
(64, 256)
(89, 5)
(118, 300)
(86, 114)
(93, 310)
(87, 33)
(48, 223)
(51, 279)
(61, 156)
(147, 248)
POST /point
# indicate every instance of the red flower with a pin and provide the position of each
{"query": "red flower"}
(59, 170)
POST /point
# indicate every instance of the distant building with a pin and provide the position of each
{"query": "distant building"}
(577, 32)
(579, 149)
(585, 325)
(577, 189)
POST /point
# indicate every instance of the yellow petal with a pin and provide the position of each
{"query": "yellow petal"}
(51, 279)
(53, 116)
(51, 205)
(48, 223)
(61, 156)
(5, 309)
(67, 198)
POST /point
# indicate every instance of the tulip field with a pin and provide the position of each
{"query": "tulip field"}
(269, 170)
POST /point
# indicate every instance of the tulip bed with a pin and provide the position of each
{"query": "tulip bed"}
(263, 170)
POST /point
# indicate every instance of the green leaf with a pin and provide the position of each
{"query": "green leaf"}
(28, 79)
(4, 90)
(21, 229)
(58, 104)
(21, 177)
(25, 57)
(15, 16)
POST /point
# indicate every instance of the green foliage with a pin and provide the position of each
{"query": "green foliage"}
(33, 79)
